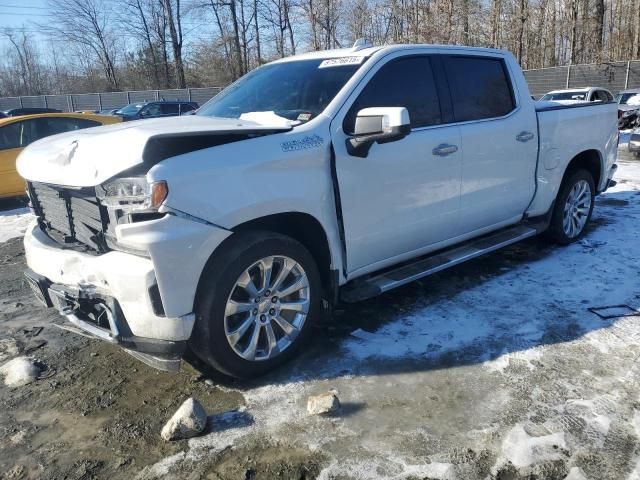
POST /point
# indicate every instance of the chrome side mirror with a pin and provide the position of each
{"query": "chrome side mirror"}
(378, 125)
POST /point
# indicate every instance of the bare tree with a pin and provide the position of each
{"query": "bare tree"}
(173, 17)
(87, 23)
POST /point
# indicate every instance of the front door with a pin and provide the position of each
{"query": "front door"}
(14, 137)
(404, 196)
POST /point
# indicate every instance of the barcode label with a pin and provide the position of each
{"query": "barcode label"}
(337, 62)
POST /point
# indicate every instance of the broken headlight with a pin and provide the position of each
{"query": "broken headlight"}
(133, 194)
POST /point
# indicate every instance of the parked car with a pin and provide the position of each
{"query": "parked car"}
(14, 112)
(629, 108)
(578, 95)
(108, 111)
(322, 178)
(18, 132)
(163, 108)
(634, 143)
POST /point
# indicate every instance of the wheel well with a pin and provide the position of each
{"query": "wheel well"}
(305, 229)
(590, 161)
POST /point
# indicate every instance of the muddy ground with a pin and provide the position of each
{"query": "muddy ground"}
(493, 370)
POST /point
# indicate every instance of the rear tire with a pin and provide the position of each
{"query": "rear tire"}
(245, 326)
(573, 208)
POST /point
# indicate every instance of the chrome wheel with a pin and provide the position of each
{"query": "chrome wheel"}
(267, 308)
(576, 209)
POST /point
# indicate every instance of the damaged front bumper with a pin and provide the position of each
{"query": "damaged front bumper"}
(143, 303)
(99, 316)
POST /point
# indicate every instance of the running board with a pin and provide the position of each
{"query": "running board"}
(369, 287)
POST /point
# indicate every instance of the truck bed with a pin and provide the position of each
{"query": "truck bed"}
(564, 131)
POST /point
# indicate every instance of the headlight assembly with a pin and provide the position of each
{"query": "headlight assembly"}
(133, 194)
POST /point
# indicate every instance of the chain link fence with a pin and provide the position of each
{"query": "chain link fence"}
(614, 76)
(108, 100)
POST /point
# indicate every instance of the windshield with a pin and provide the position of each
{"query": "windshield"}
(298, 90)
(131, 109)
(565, 96)
(623, 98)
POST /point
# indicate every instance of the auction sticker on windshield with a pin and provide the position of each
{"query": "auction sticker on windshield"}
(338, 62)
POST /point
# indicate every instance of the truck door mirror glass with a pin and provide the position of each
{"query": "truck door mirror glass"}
(378, 125)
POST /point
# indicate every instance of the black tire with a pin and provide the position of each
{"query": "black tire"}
(208, 340)
(556, 232)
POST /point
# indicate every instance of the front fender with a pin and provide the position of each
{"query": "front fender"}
(235, 183)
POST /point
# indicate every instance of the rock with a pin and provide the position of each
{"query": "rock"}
(324, 403)
(8, 349)
(18, 437)
(576, 473)
(188, 421)
(19, 371)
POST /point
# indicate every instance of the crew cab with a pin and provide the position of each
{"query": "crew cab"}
(321, 178)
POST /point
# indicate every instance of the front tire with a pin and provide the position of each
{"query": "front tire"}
(256, 305)
(573, 208)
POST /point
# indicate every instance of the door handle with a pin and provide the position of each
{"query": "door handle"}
(524, 136)
(444, 149)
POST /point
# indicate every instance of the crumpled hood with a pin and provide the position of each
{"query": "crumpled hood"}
(85, 158)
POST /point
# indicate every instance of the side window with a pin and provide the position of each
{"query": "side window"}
(169, 108)
(18, 134)
(479, 87)
(602, 96)
(53, 126)
(186, 107)
(151, 110)
(404, 82)
(10, 136)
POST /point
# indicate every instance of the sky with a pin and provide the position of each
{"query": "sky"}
(27, 13)
(15, 13)
(19, 13)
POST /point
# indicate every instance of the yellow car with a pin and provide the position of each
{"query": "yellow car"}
(18, 132)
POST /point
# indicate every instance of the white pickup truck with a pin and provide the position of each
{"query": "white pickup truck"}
(325, 177)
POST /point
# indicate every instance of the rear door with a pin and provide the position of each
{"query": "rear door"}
(170, 109)
(404, 196)
(499, 141)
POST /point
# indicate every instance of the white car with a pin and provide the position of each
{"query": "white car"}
(324, 177)
(571, 96)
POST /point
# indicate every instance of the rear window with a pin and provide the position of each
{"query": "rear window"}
(479, 87)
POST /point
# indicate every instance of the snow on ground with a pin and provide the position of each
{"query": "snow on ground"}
(490, 368)
(13, 223)
(494, 365)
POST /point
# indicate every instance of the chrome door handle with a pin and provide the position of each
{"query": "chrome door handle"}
(524, 136)
(444, 149)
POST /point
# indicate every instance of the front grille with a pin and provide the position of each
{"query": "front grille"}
(71, 216)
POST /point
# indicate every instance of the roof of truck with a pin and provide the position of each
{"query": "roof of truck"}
(370, 50)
